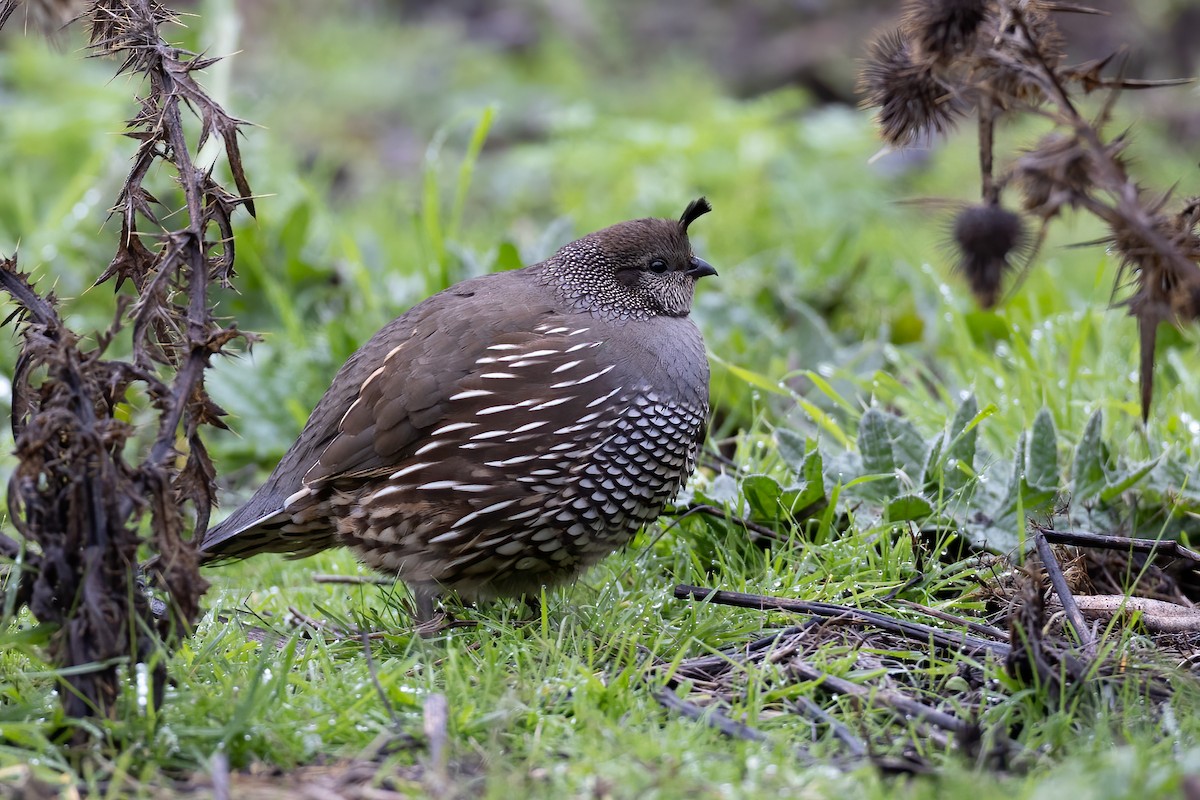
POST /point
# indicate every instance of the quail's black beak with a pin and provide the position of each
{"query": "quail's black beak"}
(700, 268)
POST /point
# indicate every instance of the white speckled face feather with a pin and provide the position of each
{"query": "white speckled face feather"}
(508, 432)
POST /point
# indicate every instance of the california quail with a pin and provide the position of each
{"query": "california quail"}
(506, 433)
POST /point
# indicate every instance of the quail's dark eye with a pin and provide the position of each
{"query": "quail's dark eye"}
(658, 265)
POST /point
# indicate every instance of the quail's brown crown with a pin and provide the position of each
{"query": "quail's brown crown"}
(634, 269)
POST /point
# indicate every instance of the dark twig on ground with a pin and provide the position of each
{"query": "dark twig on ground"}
(1054, 572)
(913, 631)
(714, 679)
(353, 580)
(1157, 547)
(989, 631)
(899, 703)
(808, 709)
(713, 717)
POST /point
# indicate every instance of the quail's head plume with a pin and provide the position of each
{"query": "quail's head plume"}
(508, 432)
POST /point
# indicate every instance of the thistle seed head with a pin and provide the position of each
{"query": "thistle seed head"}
(912, 100)
(987, 237)
(941, 30)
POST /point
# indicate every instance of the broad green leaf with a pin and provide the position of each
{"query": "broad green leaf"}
(767, 500)
(722, 491)
(1120, 483)
(950, 462)
(1034, 499)
(999, 529)
(1012, 490)
(908, 446)
(1041, 470)
(793, 448)
(813, 469)
(812, 488)
(842, 466)
(963, 436)
(875, 445)
(1019, 496)
(762, 492)
(806, 497)
(931, 472)
(1088, 477)
(1177, 477)
(906, 508)
(890, 446)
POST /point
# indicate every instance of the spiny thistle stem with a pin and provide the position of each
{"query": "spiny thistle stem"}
(74, 496)
(987, 128)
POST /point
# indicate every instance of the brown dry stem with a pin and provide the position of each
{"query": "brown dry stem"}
(79, 494)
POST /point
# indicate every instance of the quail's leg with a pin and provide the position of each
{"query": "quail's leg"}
(424, 600)
(429, 622)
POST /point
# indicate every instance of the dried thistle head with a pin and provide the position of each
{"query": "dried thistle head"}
(1155, 249)
(987, 238)
(116, 27)
(1184, 292)
(941, 30)
(1015, 48)
(1005, 57)
(1060, 170)
(1159, 255)
(912, 100)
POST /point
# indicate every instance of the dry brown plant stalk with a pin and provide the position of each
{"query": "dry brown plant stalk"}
(82, 490)
(1006, 57)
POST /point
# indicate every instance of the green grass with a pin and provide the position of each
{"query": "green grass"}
(832, 298)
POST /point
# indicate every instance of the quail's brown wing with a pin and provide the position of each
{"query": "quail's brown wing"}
(496, 467)
(440, 384)
(451, 372)
(434, 337)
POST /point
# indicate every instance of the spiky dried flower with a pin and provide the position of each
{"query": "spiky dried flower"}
(913, 101)
(1160, 259)
(924, 75)
(943, 29)
(987, 237)
(1060, 170)
(1148, 246)
(1016, 49)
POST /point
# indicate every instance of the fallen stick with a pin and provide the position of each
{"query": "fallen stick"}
(1157, 547)
(1082, 632)
(913, 631)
